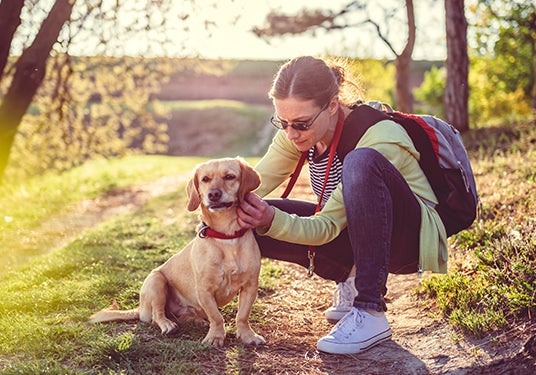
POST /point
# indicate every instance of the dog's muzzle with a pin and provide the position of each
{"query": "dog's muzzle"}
(220, 206)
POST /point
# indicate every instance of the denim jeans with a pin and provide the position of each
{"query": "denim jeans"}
(382, 234)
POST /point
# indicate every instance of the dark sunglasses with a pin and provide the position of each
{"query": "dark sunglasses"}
(298, 125)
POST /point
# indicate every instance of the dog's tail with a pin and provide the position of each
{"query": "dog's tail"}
(113, 313)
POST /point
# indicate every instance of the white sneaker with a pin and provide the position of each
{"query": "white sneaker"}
(355, 332)
(343, 300)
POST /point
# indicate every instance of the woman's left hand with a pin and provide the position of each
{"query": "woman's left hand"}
(255, 212)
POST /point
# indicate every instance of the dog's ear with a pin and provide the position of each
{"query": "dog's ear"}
(249, 180)
(194, 200)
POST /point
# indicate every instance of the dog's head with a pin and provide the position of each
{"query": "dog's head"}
(221, 183)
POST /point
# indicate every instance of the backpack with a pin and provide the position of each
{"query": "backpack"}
(443, 159)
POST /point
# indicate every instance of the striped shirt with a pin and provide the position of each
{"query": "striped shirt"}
(317, 172)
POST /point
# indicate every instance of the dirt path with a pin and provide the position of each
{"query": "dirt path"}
(422, 343)
(60, 230)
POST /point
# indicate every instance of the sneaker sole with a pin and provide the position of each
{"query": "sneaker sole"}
(353, 348)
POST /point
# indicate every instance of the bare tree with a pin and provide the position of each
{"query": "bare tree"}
(457, 87)
(311, 20)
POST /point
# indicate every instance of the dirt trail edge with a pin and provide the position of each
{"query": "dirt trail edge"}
(422, 343)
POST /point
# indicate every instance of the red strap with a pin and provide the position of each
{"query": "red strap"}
(332, 150)
(296, 173)
(209, 232)
(294, 176)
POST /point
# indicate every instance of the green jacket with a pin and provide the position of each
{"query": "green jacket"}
(392, 141)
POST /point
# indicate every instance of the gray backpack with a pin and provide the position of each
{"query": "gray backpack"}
(444, 161)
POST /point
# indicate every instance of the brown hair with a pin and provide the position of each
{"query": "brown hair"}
(307, 78)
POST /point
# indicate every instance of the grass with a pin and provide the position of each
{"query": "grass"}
(25, 206)
(45, 303)
(215, 128)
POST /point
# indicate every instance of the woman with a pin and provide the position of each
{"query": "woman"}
(375, 216)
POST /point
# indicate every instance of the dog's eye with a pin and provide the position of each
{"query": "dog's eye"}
(229, 177)
(205, 179)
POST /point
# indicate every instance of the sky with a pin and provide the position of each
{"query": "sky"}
(232, 37)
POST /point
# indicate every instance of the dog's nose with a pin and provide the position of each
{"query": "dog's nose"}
(214, 195)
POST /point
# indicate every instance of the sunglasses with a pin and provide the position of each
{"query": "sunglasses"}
(298, 125)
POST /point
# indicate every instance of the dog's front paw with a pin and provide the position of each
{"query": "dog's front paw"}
(167, 326)
(214, 338)
(251, 338)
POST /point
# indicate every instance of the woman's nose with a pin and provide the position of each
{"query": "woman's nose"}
(292, 133)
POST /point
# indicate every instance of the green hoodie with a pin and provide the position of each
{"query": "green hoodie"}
(392, 141)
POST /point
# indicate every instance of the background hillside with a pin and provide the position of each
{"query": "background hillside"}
(224, 109)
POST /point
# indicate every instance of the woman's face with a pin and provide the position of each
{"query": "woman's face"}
(291, 110)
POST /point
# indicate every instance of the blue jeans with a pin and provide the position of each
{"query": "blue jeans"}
(382, 234)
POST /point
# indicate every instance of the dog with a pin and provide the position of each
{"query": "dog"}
(222, 261)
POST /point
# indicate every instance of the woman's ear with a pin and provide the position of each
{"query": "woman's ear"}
(249, 179)
(333, 106)
(194, 200)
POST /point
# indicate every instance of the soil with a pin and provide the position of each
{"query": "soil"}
(422, 343)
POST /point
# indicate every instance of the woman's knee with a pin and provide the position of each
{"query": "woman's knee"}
(360, 164)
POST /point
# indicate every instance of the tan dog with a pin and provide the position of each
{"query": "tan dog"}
(219, 263)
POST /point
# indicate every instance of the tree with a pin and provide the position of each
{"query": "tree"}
(312, 20)
(75, 113)
(457, 88)
(29, 69)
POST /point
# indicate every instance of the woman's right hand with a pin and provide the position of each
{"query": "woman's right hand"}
(254, 212)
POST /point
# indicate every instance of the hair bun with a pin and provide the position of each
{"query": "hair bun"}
(339, 73)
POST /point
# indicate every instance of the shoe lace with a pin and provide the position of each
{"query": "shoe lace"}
(344, 294)
(348, 323)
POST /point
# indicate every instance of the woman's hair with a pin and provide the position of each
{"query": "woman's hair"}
(307, 78)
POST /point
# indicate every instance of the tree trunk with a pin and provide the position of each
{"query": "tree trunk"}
(404, 96)
(30, 70)
(457, 87)
(9, 21)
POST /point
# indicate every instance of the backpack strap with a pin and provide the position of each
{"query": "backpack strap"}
(356, 125)
(428, 161)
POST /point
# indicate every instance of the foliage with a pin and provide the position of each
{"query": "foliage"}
(506, 32)
(431, 93)
(374, 77)
(490, 98)
(92, 113)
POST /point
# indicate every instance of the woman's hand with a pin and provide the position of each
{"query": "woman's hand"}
(255, 212)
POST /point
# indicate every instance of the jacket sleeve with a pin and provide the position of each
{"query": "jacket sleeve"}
(390, 140)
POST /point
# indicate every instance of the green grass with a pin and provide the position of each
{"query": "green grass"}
(32, 201)
(215, 128)
(46, 303)
(23, 207)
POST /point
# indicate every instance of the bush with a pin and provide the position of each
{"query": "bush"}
(490, 98)
(89, 107)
